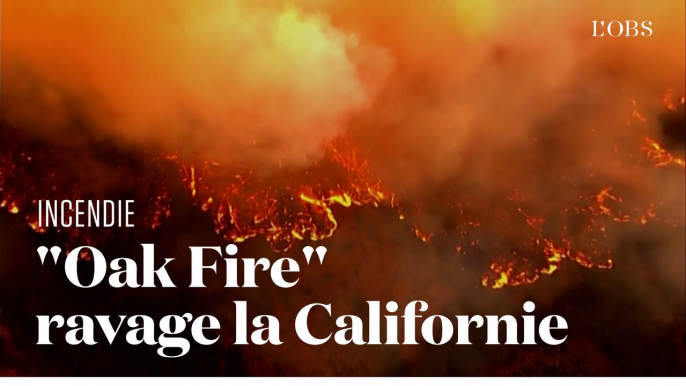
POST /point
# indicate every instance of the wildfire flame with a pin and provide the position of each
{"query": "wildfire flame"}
(301, 205)
(244, 205)
(660, 156)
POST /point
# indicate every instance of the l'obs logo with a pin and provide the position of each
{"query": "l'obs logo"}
(627, 28)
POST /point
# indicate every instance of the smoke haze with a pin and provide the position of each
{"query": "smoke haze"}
(447, 100)
(269, 82)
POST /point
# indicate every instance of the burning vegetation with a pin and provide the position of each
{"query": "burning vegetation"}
(473, 152)
(295, 205)
(283, 208)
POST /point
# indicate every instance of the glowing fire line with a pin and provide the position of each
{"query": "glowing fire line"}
(243, 206)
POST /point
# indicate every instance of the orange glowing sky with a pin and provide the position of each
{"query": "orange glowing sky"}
(280, 78)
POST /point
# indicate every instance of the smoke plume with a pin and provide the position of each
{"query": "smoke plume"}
(448, 101)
